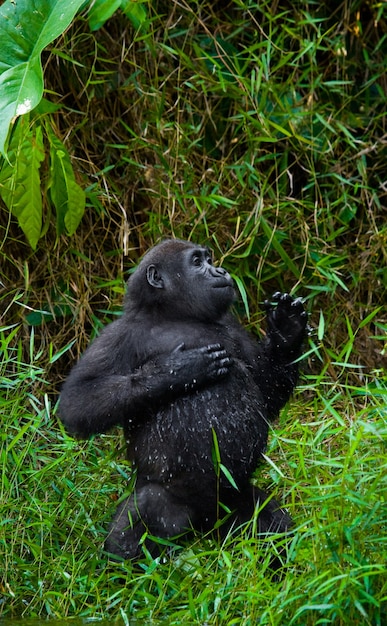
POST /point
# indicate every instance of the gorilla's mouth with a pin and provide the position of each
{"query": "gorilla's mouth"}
(223, 285)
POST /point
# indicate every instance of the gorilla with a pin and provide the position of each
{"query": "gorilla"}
(195, 395)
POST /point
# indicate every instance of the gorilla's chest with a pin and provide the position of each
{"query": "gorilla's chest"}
(165, 338)
(182, 437)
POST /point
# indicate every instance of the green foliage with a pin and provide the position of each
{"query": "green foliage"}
(101, 10)
(20, 180)
(26, 29)
(67, 196)
(258, 128)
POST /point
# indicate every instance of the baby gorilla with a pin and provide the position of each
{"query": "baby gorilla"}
(179, 373)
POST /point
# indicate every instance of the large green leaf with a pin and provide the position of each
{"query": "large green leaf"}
(20, 180)
(100, 11)
(135, 12)
(26, 28)
(68, 197)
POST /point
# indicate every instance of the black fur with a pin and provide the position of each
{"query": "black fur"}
(177, 370)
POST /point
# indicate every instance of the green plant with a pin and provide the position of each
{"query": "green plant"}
(26, 29)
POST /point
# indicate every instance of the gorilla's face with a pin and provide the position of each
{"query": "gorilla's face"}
(186, 284)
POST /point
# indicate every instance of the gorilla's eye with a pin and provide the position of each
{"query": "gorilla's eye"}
(196, 260)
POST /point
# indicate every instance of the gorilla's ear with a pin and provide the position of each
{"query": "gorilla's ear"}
(154, 278)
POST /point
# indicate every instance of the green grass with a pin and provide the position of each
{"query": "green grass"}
(259, 129)
(326, 461)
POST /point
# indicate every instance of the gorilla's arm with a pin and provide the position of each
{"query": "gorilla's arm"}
(103, 391)
(275, 366)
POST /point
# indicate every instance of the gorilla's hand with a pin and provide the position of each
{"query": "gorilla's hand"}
(189, 369)
(182, 371)
(286, 323)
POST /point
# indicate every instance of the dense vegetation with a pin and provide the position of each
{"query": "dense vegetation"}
(260, 129)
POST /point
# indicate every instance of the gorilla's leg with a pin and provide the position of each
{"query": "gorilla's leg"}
(150, 508)
(271, 519)
(244, 503)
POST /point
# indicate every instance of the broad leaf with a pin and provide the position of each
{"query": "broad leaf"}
(26, 28)
(100, 11)
(20, 180)
(135, 12)
(68, 197)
